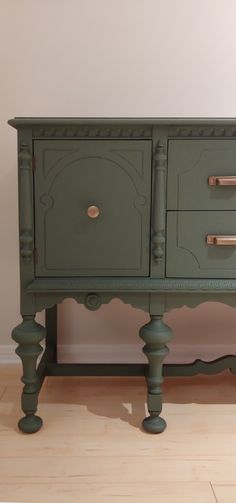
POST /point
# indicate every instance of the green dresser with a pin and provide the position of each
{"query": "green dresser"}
(138, 209)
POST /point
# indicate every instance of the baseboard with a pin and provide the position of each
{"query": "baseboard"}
(132, 353)
(124, 353)
(7, 354)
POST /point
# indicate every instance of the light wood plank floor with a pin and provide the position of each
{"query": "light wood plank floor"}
(92, 448)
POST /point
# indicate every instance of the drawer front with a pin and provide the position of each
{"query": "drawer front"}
(111, 238)
(190, 164)
(189, 255)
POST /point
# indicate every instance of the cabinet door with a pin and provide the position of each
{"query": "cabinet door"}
(188, 252)
(113, 177)
(190, 165)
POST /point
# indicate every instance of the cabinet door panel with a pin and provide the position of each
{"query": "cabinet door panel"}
(112, 175)
(189, 255)
(190, 164)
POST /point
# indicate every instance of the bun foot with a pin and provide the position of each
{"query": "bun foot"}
(30, 424)
(154, 424)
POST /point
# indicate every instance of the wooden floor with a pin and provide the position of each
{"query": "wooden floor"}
(92, 448)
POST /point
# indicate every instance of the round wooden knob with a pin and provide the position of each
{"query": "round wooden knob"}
(93, 211)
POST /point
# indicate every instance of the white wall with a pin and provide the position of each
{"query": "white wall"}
(111, 58)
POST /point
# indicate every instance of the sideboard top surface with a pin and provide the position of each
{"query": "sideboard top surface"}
(18, 122)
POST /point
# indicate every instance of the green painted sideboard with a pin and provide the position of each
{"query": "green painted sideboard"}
(143, 210)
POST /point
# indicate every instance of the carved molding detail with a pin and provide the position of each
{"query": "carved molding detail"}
(47, 301)
(205, 131)
(92, 301)
(26, 208)
(158, 231)
(93, 132)
(128, 286)
(201, 367)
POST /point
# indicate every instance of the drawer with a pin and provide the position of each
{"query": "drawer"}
(190, 164)
(187, 252)
(92, 207)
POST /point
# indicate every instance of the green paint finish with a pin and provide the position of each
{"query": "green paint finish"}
(148, 177)
(156, 335)
(189, 255)
(112, 175)
(190, 163)
(73, 286)
(28, 335)
(131, 122)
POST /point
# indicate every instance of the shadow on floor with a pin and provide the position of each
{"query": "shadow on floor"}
(117, 397)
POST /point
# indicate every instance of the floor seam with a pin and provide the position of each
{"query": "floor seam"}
(214, 494)
(3, 393)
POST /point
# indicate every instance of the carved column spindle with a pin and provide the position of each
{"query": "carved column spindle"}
(156, 335)
(158, 236)
(28, 335)
(25, 200)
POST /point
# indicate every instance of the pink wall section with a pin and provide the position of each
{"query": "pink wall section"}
(112, 331)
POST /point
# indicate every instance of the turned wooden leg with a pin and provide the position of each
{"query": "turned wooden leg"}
(28, 336)
(156, 335)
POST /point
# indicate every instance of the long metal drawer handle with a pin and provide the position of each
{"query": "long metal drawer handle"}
(221, 240)
(222, 180)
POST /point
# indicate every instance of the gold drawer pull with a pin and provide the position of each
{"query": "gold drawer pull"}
(221, 240)
(222, 180)
(93, 211)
